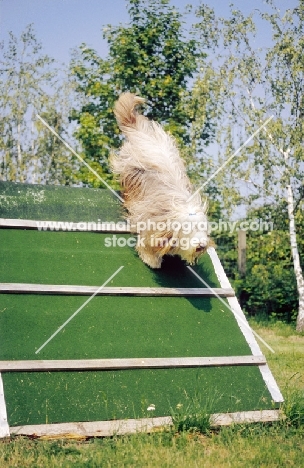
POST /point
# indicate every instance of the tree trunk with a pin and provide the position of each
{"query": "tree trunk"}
(296, 259)
(19, 154)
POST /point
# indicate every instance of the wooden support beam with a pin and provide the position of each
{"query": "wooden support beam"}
(133, 426)
(132, 363)
(23, 288)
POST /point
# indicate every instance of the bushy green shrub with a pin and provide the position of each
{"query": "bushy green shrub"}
(269, 287)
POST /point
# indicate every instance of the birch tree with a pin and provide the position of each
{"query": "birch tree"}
(257, 83)
(30, 83)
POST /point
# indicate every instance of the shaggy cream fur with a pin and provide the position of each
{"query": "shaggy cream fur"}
(157, 189)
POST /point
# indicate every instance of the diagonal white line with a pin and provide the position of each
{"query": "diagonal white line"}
(78, 310)
(230, 158)
(228, 307)
(79, 157)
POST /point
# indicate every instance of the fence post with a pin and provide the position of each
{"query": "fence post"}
(242, 252)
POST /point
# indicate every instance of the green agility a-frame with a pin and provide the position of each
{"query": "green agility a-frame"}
(94, 342)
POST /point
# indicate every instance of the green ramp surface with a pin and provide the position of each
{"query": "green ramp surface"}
(109, 326)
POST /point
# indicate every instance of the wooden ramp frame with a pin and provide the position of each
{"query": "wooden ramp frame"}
(133, 426)
(119, 427)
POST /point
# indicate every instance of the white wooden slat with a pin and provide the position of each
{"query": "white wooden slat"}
(47, 225)
(131, 363)
(226, 419)
(24, 288)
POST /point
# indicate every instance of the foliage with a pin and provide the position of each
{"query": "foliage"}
(150, 57)
(29, 86)
(51, 162)
(257, 83)
(269, 288)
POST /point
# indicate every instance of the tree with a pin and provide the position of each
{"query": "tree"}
(51, 162)
(150, 57)
(256, 83)
(29, 85)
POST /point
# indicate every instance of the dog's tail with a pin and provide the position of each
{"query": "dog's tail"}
(125, 110)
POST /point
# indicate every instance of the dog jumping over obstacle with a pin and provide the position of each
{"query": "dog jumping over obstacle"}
(157, 190)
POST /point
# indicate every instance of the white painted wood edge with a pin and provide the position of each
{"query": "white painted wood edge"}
(245, 328)
(132, 363)
(271, 383)
(4, 428)
(131, 426)
(46, 225)
(234, 304)
(30, 288)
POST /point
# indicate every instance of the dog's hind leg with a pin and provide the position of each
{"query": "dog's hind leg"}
(154, 261)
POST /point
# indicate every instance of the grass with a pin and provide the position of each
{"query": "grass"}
(194, 414)
(287, 364)
(256, 445)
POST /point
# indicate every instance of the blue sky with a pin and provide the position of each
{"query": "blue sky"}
(64, 24)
